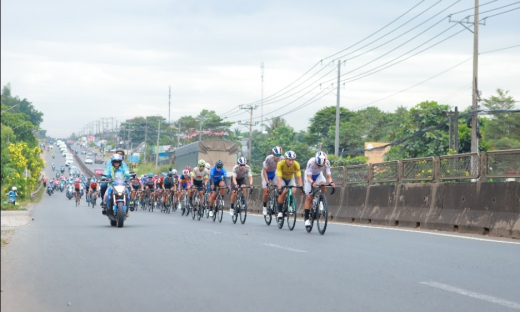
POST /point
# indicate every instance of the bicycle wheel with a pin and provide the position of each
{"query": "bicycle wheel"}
(237, 210)
(269, 216)
(183, 207)
(187, 204)
(193, 210)
(322, 213)
(312, 216)
(291, 213)
(215, 209)
(243, 209)
(220, 210)
(200, 208)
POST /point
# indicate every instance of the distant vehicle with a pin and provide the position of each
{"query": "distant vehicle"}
(99, 160)
(89, 154)
(88, 161)
(83, 152)
(98, 171)
(69, 161)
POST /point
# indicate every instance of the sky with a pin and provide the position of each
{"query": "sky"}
(80, 61)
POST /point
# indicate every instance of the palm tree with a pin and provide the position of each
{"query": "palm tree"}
(275, 123)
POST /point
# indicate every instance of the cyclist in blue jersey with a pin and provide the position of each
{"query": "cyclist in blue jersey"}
(217, 177)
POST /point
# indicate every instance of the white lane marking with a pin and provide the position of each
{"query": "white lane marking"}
(285, 248)
(415, 231)
(214, 232)
(509, 304)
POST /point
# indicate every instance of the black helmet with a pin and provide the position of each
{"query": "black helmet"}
(219, 164)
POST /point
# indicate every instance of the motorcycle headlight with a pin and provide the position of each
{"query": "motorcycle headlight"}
(120, 189)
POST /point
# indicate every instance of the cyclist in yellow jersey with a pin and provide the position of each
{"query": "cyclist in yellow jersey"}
(286, 170)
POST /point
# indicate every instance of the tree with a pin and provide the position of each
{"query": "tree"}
(320, 124)
(502, 131)
(275, 123)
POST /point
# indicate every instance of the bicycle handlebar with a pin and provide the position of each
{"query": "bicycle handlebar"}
(318, 188)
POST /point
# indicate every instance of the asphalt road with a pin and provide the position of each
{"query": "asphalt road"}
(70, 259)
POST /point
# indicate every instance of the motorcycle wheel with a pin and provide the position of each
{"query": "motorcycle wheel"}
(120, 215)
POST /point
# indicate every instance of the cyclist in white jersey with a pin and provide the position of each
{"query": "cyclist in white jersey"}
(199, 178)
(314, 177)
(239, 179)
(269, 172)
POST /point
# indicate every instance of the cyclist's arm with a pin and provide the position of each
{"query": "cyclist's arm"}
(299, 179)
(264, 173)
(251, 180)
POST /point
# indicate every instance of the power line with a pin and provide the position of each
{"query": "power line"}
(472, 8)
(496, 8)
(501, 49)
(500, 13)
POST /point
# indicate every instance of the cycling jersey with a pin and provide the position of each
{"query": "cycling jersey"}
(168, 182)
(217, 176)
(270, 164)
(93, 186)
(240, 174)
(184, 179)
(199, 175)
(314, 170)
(286, 172)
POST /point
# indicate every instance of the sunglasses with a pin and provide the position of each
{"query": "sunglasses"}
(277, 155)
(242, 165)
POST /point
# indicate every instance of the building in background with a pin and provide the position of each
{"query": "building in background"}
(375, 154)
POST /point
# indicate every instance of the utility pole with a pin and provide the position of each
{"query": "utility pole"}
(169, 102)
(201, 122)
(336, 140)
(262, 101)
(250, 108)
(475, 94)
(157, 149)
(145, 138)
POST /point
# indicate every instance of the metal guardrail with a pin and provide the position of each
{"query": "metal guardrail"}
(418, 169)
(385, 171)
(356, 174)
(502, 164)
(459, 166)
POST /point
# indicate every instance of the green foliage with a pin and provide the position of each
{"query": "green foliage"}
(502, 131)
(347, 161)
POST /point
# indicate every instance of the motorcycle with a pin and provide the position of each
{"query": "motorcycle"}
(53, 168)
(62, 186)
(50, 189)
(70, 192)
(117, 205)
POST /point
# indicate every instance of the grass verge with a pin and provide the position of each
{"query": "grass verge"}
(4, 242)
(146, 168)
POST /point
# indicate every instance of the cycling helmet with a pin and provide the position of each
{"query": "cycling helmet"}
(202, 163)
(150, 175)
(187, 168)
(155, 176)
(208, 166)
(77, 180)
(185, 172)
(290, 155)
(120, 151)
(174, 171)
(277, 151)
(14, 188)
(321, 158)
(170, 174)
(93, 180)
(242, 161)
(219, 164)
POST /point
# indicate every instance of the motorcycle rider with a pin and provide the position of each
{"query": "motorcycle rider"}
(12, 195)
(116, 161)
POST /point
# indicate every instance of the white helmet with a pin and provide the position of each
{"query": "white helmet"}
(14, 188)
(277, 150)
(321, 158)
(208, 166)
(174, 171)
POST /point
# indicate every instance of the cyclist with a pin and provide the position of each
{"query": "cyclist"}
(314, 177)
(217, 177)
(184, 181)
(169, 185)
(77, 185)
(148, 184)
(286, 170)
(135, 184)
(269, 172)
(199, 178)
(159, 187)
(239, 173)
(93, 187)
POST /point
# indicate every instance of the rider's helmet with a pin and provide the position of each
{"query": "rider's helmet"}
(185, 172)
(219, 164)
(53, 164)
(14, 188)
(77, 180)
(242, 161)
(155, 176)
(290, 155)
(208, 166)
(93, 180)
(116, 158)
(170, 174)
(321, 158)
(201, 163)
(120, 151)
(277, 151)
(174, 171)
(150, 175)
(187, 168)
